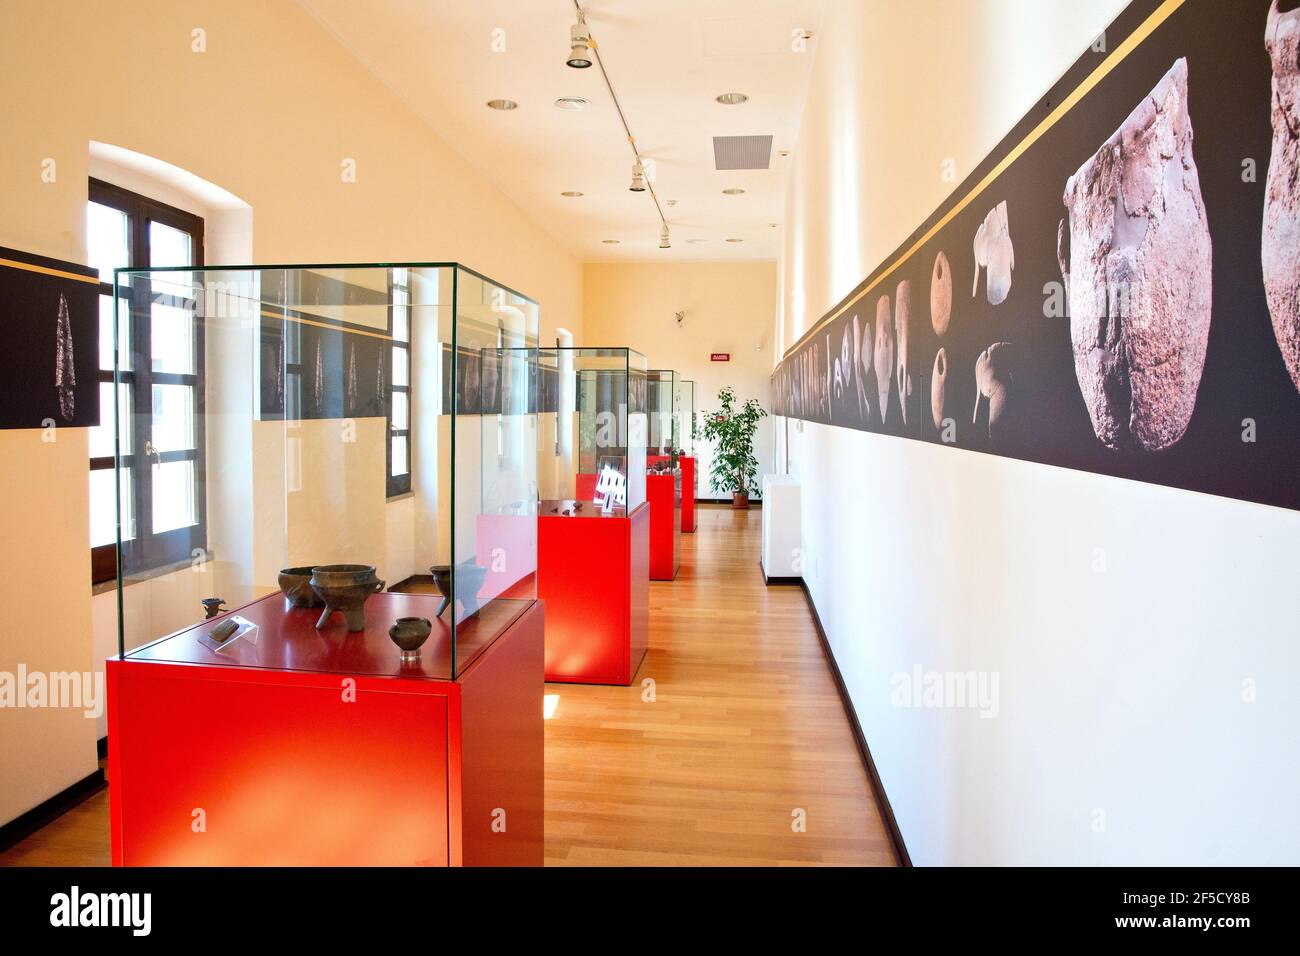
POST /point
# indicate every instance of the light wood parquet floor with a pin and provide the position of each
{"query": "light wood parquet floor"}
(742, 740)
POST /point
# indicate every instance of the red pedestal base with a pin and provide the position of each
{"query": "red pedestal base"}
(243, 764)
(663, 494)
(687, 465)
(593, 573)
(688, 494)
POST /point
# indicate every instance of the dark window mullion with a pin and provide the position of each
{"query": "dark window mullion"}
(174, 378)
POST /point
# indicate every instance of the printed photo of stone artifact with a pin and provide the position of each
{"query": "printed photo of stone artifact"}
(861, 367)
(938, 377)
(843, 367)
(65, 371)
(993, 381)
(940, 294)
(994, 252)
(884, 357)
(1280, 243)
(1135, 257)
(902, 316)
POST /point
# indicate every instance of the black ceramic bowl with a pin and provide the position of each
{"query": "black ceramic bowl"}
(345, 587)
(295, 584)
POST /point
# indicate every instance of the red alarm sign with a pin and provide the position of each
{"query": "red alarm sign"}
(720, 357)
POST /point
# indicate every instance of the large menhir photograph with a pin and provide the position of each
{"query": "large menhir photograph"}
(1116, 288)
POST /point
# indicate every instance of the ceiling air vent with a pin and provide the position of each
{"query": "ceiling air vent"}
(742, 152)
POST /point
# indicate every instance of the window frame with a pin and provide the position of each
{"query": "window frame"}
(149, 551)
(398, 485)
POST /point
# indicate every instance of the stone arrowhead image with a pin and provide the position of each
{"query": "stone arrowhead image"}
(1136, 257)
(65, 371)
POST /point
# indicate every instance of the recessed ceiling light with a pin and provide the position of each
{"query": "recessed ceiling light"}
(783, 152)
(610, 242)
(502, 104)
(571, 194)
(772, 225)
(732, 99)
(735, 240)
(733, 192)
(571, 103)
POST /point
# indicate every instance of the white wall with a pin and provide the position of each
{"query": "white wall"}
(1120, 618)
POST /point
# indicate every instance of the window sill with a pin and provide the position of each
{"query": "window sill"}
(103, 587)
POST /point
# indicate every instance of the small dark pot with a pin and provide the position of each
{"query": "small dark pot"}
(410, 633)
(740, 500)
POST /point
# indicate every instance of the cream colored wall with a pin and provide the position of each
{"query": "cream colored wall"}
(729, 306)
(1117, 689)
(270, 112)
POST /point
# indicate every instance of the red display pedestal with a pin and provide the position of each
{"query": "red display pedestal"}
(663, 494)
(593, 573)
(687, 464)
(321, 748)
(688, 494)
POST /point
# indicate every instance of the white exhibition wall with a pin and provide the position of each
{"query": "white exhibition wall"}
(1143, 640)
(124, 80)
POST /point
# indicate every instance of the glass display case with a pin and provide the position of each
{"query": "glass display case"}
(685, 404)
(661, 403)
(592, 423)
(686, 434)
(306, 454)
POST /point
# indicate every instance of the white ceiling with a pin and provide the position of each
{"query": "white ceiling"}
(667, 60)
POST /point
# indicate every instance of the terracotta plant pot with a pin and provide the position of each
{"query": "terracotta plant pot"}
(740, 500)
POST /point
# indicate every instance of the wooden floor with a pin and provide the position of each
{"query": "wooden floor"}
(742, 739)
(746, 728)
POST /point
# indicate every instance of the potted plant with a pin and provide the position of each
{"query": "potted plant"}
(732, 429)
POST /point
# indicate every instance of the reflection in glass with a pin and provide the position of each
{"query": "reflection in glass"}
(103, 514)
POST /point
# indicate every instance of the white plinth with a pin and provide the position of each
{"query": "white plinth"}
(781, 537)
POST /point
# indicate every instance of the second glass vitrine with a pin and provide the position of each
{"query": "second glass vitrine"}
(661, 404)
(592, 420)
